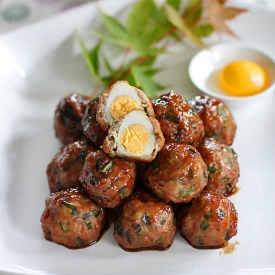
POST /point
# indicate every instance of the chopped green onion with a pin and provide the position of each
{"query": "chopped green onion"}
(138, 229)
(79, 241)
(63, 227)
(98, 163)
(227, 236)
(89, 225)
(204, 225)
(172, 118)
(86, 215)
(192, 151)
(212, 169)
(74, 209)
(118, 228)
(123, 191)
(107, 167)
(221, 213)
(145, 219)
(224, 179)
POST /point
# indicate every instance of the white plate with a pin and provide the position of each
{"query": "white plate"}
(42, 63)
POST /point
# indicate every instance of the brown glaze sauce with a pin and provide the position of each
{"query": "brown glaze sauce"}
(202, 247)
(235, 191)
(229, 248)
(141, 249)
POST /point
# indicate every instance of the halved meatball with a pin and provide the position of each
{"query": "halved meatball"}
(70, 218)
(108, 181)
(67, 118)
(209, 222)
(179, 121)
(217, 119)
(92, 130)
(64, 169)
(120, 99)
(144, 222)
(135, 137)
(222, 164)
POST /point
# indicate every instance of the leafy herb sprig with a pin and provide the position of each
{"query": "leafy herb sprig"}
(149, 32)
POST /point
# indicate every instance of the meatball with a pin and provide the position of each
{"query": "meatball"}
(64, 169)
(209, 222)
(177, 174)
(118, 100)
(70, 218)
(135, 137)
(222, 164)
(108, 181)
(144, 222)
(92, 130)
(67, 118)
(217, 119)
(179, 121)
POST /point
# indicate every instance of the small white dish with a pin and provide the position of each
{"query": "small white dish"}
(205, 66)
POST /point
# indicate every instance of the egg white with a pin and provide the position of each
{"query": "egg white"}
(137, 117)
(119, 89)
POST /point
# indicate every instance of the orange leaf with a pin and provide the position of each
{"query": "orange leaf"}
(218, 13)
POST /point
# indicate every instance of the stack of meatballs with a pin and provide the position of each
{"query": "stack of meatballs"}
(148, 168)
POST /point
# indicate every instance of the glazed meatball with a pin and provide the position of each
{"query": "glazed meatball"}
(92, 130)
(64, 169)
(179, 121)
(222, 164)
(70, 218)
(217, 119)
(108, 181)
(178, 173)
(209, 222)
(145, 222)
(67, 118)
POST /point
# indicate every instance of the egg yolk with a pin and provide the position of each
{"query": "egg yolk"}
(242, 78)
(135, 139)
(122, 105)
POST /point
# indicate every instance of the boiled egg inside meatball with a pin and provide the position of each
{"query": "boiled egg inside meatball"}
(134, 136)
(119, 100)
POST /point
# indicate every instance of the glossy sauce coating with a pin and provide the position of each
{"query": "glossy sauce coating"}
(108, 181)
(70, 218)
(222, 164)
(179, 122)
(217, 119)
(209, 222)
(177, 174)
(67, 118)
(143, 223)
(64, 169)
(92, 130)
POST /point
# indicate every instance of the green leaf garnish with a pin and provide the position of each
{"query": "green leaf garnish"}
(149, 31)
(176, 19)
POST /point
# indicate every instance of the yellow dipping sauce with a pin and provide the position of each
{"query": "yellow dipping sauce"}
(242, 78)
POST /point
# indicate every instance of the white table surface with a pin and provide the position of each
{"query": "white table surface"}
(15, 14)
